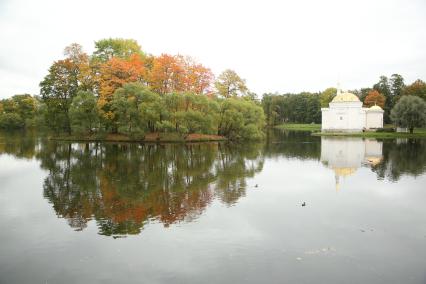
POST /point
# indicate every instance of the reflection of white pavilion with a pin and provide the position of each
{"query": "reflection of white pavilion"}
(346, 155)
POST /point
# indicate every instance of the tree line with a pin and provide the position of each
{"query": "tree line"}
(119, 88)
(386, 93)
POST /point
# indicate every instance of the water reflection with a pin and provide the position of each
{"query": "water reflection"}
(124, 186)
(345, 155)
(402, 157)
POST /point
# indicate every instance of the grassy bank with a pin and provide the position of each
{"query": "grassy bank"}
(299, 127)
(148, 138)
(418, 133)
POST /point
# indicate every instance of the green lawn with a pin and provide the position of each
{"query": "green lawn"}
(316, 128)
(418, 133)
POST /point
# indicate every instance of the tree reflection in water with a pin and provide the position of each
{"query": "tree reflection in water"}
(402, 157)
(125, 186)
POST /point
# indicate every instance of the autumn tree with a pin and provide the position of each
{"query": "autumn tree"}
(374, 98)
(417, 88)
(198, 79)
(409, 112)
(229, 84)
(114, 74)
(167, 74)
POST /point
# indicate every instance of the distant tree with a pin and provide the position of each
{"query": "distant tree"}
(11, 121)
(229, 84)
(383, 87)
(327, 96)
(396, 85)
(409, 112)
(362, 93)
(374, 98)
(418, 88)
(83, 112)
(24, 105)
(252, 96)
(269, 108)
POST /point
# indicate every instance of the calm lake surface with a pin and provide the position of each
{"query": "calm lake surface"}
(213, 213)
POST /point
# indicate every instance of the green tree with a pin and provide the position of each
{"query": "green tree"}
(270, 108)
(410, 112)
(105, 49)
(229, 84)
(240, 119)
(83, 112)
(397, 85)
(384, 88)
(11, 121)
(327, 96)
(65, 78)
(126, 107)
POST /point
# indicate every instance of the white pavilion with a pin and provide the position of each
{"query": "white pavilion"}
(346, 114)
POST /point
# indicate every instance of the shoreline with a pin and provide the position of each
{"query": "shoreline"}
(149, 138)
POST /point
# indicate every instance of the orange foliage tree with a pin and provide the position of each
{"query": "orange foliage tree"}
(114, 74)
(167, 74)
(179, 74)
(198, 78)
(374, 98)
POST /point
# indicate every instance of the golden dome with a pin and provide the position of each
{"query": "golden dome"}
(375, 108)
(344, 171)
(345, 97)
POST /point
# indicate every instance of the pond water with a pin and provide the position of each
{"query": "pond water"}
(213, 213)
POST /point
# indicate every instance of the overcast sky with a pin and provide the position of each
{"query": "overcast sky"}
(277, 46)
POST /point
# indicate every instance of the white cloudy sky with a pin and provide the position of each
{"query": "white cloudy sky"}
(277, 46)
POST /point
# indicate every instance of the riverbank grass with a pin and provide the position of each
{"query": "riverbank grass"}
(299, 127)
